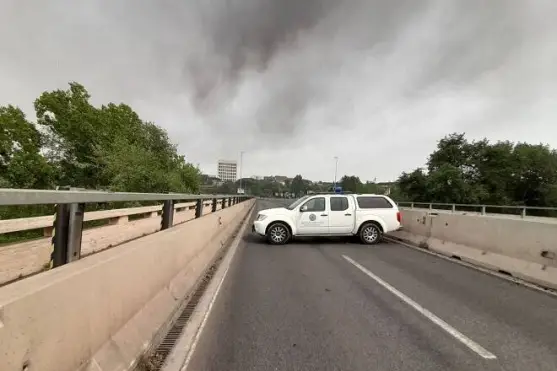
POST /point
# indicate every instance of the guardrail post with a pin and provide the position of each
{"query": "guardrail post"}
(167, 217)
(224, 203)
(454, 208)
(75, 232)
(430, 206)
(60, 237)
(412, 205)
(214, 207)
(523, 213)
(68, 228)
(483, 209)
(199, 208)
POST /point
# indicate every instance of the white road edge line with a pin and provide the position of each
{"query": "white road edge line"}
(232, 252)
(475, 347)
(203, 323)
(184, 349)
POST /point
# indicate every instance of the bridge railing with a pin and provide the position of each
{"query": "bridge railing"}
(66, 225)
(482, 209)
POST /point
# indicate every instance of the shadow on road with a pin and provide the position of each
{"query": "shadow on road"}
(259, 240)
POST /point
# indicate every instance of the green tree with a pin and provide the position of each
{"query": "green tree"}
(454, 149)
(495, 166)
(414, 186)
(351, 183)
(252, 186)
(481, 172)
(534, 176)
(109, 147)
(73, 132)
(448, 184)
(371, 187)
(21, 163)
(298, 187)
(227, 188)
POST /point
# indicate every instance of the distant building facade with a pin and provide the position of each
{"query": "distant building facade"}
(227, 170)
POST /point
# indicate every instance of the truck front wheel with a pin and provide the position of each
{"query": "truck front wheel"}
(370, 233)
(278, 234)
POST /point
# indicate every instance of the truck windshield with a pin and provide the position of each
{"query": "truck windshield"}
(297, 202)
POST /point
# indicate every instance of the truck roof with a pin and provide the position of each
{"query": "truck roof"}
(347, 193)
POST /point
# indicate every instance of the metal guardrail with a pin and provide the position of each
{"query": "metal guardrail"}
(482, 209)
(9, 196)
(70, 209)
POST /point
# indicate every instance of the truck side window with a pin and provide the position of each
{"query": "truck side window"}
(316, 204)
(339, 203)
(366, 202)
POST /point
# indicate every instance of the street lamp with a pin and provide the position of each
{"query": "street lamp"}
(336, 168)
(241, 168)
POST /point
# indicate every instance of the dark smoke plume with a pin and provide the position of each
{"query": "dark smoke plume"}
(247, 34)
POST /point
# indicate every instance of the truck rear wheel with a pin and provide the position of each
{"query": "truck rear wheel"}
(370, 233)
(278, 234)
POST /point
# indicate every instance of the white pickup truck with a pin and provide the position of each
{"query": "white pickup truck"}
(368, 216)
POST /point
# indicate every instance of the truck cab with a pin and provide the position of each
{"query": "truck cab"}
(368, 216)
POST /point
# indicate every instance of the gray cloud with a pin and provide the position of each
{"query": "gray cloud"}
(295, 83)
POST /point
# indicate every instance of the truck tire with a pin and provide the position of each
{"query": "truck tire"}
(278, 234)
(370, 233)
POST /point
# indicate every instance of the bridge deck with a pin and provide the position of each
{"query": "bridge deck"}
(306, 307)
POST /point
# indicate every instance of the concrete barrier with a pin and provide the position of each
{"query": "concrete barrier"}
(525, 248)
(100, 313)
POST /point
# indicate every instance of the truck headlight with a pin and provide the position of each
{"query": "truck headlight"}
(261, 217)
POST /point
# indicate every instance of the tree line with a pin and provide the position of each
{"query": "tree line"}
(110, 147)
(76, 144)
(295, 187)
(457, 171)
(481, 172)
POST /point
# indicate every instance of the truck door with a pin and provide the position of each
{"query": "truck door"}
(313, 217)
(341, 215)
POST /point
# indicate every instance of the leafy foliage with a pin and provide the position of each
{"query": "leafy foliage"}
(21, 163)
(298, 187)
(460, 171)
(287, 187)
(75, 143)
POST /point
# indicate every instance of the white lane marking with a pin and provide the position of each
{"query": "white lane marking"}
(478, 349)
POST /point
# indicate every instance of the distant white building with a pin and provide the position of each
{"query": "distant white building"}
(227, 170)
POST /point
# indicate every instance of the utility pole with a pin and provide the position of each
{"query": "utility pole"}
(336, 168)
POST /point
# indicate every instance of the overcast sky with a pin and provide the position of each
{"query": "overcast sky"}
(294, 83)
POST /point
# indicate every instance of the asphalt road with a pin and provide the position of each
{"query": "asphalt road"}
(304, 306)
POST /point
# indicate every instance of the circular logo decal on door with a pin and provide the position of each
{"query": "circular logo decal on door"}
(312, 217)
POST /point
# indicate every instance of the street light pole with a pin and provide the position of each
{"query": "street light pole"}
(336, 168)
(241, 169)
